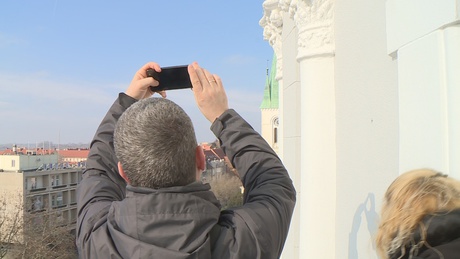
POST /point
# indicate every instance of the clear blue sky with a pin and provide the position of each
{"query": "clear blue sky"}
(62, 63)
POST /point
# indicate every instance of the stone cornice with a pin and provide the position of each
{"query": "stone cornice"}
(313, 19)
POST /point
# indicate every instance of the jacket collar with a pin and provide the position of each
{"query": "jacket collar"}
(193, 187)
(196, 188)
(441, 228)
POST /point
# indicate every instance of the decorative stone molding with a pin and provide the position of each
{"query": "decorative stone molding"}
(272, 22)
(313, 19)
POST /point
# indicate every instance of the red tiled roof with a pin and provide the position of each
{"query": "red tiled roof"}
(23, 151)
(206, 146)
(6, 152)
(75, 153)
(217, 153)
(66, 153)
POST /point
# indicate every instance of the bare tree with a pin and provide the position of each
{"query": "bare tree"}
(228, 190)
(11, 224)
(25, 234)
(45, 236)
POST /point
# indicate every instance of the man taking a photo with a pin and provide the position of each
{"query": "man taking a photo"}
(141, 195)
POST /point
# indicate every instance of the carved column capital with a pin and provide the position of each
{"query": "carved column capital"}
(272, 22)
(313, 19)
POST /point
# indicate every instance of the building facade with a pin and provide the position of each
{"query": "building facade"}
(270, 109)
(368, 90)
(39, 192)
(50, 190)
(21, 159)
(21, 162)
(217, 164)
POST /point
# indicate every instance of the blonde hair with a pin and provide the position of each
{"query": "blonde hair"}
(408, 199)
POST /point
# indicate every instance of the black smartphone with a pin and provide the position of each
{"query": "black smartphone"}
(170, 78)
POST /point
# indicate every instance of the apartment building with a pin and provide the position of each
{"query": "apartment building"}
(22, 162)
(44, 158)
(50, 192)
(217, 163)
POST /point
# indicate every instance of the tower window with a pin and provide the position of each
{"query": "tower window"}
(275, 135)
(276, 123)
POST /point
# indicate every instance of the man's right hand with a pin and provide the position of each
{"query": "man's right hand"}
(140, 85)
(209, 92)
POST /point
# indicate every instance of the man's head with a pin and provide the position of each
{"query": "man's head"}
(155, 143)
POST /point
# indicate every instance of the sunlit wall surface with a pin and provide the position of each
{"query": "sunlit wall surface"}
(366, 88)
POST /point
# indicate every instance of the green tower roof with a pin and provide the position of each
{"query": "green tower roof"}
(271, 91)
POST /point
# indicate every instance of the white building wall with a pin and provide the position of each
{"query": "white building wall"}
(11, 200)
(25, 162)
(290, 119)
(31, 162)
(12, 182)
(410, 20)
(377, 87)
(367, 124)
(9, 162)
(426, 42)
(452, 68)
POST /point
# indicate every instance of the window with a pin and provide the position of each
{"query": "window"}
(13, 163)
(59, 217)
(55, 180)
(37, 203)
(57, 199)
(275, 135)
(33, 183)
(276, 124)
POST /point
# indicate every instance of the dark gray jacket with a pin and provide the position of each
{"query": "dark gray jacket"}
(119, 221)
(442, 235)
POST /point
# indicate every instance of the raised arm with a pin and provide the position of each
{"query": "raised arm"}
(101, 183)
(260, 226)
(269, 195)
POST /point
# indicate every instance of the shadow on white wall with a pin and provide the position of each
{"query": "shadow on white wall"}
(367, 208)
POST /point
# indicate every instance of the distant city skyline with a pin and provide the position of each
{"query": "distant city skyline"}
(53, 145)
(64, 62)
(45, 145)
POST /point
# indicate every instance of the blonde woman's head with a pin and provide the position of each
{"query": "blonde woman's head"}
(409, 198)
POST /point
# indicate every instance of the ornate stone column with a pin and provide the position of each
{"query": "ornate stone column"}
(314, 170)
(272, 22)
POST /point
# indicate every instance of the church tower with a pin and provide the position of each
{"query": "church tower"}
(269, 109)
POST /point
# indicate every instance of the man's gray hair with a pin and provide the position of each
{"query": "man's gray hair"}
(155, 143)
